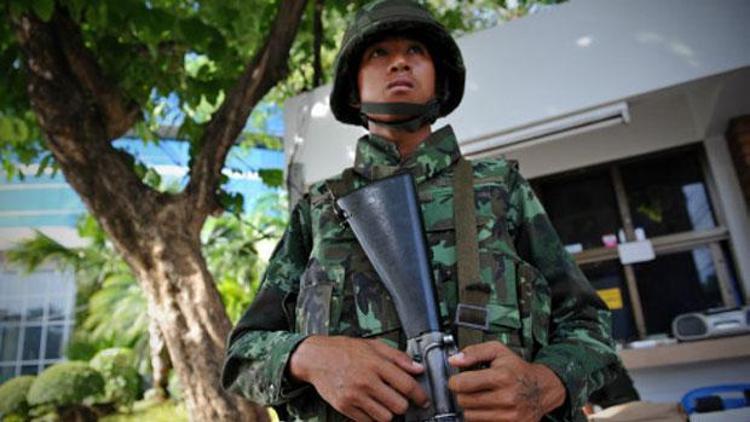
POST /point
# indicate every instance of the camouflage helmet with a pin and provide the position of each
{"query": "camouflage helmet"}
(383, 18)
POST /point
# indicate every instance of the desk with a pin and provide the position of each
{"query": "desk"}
(688, 352)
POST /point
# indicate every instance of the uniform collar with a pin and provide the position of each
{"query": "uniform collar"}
(378, 158)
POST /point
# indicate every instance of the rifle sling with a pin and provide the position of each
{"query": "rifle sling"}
(472, 294)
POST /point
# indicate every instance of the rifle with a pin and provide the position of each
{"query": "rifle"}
(387, 221)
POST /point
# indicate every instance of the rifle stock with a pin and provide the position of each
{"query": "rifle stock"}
(386, 219)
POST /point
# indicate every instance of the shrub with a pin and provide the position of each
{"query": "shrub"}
(65, 383)
(122, 383)
(13, 396)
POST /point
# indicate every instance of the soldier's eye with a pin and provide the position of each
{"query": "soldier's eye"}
(378, 52)
(416, 48)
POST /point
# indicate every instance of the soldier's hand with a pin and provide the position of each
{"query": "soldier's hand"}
(364, 379)
(510, 389)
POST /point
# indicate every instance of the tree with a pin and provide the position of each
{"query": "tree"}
(78, 74)
(84, 96)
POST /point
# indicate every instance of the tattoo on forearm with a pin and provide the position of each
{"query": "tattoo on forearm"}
(531, 393)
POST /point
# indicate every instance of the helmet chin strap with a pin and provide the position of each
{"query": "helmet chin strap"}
(417, 115)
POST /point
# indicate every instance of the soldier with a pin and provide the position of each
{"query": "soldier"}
(322, 336)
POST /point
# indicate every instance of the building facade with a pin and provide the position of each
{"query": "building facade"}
(622, 115)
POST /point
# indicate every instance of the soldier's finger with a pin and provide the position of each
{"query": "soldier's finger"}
(374, 410)
(486, 399)
(398, 357)
(479, 353)
(475, 381)
(389, 397)
(404, 384)
(357, 415)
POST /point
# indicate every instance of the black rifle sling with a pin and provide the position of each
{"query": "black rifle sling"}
(471, 314)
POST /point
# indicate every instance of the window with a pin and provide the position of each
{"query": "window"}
(36, 316)
(666, 199)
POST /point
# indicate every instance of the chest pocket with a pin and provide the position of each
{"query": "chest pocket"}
(341, 293)
(519, 302)
(319, 300)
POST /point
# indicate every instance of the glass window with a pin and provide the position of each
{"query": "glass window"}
(35, 308)
(9, 343)
(58, 308)
(663, 195)
(674, 284)
(32, 342)
(609, 281)
(10, 310)
(29, 369)
(582, 207)
(665, 202)
(6, 373)
(54, 342)
(35, 317)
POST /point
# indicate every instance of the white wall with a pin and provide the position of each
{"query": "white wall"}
(586, 53)
(658, 121)
(575, 56)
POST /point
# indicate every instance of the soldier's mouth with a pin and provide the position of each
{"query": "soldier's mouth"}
(399, 83)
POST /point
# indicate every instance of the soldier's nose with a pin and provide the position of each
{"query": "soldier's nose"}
(399, 65)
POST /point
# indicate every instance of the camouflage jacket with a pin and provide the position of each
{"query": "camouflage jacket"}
(319, 282)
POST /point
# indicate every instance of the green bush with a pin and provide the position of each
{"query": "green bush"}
(13, 396)
(122, 383)
(66, 383)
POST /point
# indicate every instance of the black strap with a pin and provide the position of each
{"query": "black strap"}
(471, 313)
(418, 114)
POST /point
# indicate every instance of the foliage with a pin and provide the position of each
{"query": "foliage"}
(237, 247)
(196, 50)
(65, 383)
(460, 17)
(152, 411)
(13, 396)
(122, 383)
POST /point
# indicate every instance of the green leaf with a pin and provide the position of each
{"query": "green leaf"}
(232, 202)
(21, 130)
(43, 8)
(6, 128)
(43, 165)
(272, 177)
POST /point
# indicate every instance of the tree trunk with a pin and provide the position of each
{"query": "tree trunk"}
(159, 356)
(190, 315)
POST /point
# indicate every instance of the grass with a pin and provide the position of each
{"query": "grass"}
(152, 411)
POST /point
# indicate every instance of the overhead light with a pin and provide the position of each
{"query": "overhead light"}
(548, 130)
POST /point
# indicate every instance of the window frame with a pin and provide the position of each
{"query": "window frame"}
(664, 244)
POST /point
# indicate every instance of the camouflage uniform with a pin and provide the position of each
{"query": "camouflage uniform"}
(320, 282)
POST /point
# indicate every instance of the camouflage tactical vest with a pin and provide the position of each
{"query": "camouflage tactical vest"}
(340, 293)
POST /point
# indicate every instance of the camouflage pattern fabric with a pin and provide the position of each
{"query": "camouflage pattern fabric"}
(320, 282)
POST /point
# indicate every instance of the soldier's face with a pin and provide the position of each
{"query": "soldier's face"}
(396, 69)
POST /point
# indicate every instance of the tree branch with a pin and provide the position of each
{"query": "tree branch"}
(318, 43)
(268, 67)
(120, 114)
(77, 129)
